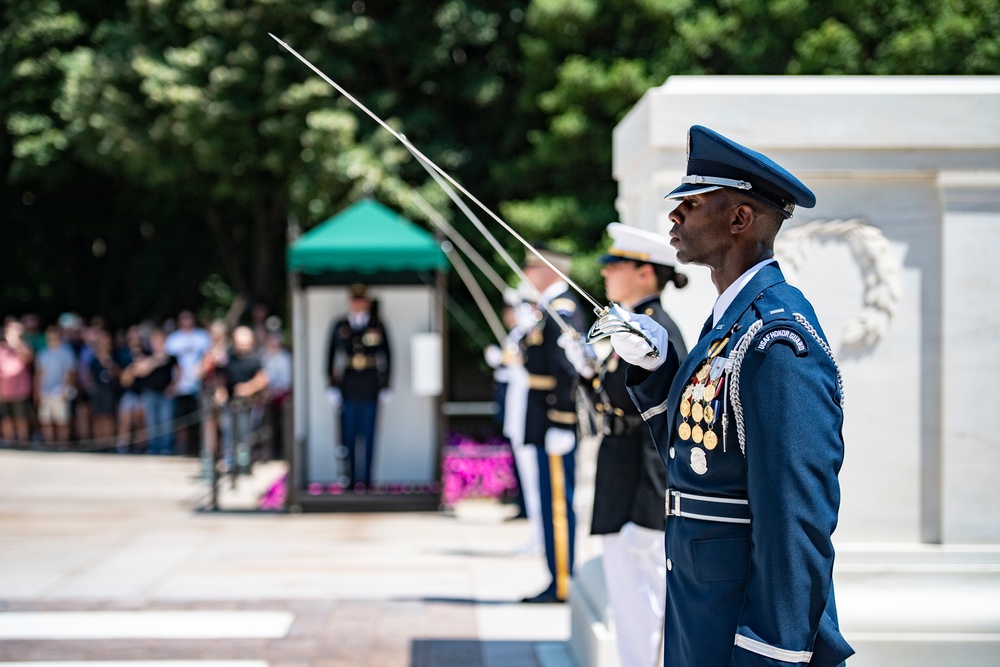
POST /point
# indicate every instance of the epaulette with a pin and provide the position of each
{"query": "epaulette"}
(563, 305)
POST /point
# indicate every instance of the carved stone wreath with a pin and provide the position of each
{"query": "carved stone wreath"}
(880, 272)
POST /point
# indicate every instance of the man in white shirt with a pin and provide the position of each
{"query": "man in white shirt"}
(188, 343)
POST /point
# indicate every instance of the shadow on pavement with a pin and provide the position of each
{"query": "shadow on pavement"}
(471, 653)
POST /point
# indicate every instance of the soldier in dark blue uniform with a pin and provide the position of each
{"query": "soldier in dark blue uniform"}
(358, 363)
(551, 420)
(749, 429)
(630, 480)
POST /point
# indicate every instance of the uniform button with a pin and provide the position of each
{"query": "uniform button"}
(672, 451)
(670, 564)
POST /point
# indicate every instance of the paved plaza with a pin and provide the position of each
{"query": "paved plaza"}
(107, 558)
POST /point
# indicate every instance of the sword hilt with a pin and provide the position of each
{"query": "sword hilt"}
(611, 319)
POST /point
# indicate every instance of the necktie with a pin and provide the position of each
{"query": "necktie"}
(706, 327)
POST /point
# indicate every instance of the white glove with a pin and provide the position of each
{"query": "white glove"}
(334, 397)
(559, 441)
(525, 316)
(493, 356)
(385, 396)
(577, 354)
(634, 349)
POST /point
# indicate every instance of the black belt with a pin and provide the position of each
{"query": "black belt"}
(707, 508)
(623, 424)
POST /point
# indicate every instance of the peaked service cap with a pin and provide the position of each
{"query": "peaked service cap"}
(714, 162)
(638, 245)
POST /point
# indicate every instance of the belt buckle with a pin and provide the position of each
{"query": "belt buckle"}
(673, 503)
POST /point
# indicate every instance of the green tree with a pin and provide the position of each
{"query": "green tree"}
(585, 63)
(190, 100)
(154, 144)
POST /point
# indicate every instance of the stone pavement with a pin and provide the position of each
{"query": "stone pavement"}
(100, 534)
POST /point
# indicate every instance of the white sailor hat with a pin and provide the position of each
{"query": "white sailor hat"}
(638, 245)
(715, 161)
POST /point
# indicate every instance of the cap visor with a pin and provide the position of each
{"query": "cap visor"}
(687, 189)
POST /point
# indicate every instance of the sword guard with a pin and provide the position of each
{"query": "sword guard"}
(611, 319)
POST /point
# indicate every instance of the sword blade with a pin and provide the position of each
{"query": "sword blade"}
(553, 313)
(406, 142)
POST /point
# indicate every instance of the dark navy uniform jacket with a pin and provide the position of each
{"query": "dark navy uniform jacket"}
(358, 360)
(755, 589)
(552, 380)
(552, 383)
(630, 479)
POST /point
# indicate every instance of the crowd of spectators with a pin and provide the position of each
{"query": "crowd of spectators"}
(165, 388)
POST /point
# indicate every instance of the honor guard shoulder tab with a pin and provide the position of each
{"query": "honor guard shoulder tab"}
(778, 326)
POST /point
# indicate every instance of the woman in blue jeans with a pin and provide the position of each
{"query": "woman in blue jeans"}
(153, 377)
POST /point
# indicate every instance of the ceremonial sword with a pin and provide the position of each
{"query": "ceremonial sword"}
(611, 318)
(563, 326)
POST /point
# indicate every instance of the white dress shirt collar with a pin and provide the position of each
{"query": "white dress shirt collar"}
(358, 320)
(726, 298)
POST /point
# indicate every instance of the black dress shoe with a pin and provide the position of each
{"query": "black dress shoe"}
(545, 597)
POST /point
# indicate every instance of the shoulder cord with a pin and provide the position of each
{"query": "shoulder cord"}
(733, 367)
(735, 364)
(826, 348)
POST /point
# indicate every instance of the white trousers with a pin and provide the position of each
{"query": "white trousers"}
(526, 460)
(635, 574)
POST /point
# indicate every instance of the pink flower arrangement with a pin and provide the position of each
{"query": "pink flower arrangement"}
(471, 469)
(274, 497)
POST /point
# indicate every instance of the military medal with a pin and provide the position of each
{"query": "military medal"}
(709, 392)
(710, 440)
(699, 392)
(695, 403)
(718, 365)
(699, 462)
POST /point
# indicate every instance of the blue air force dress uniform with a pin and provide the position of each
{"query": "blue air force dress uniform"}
(551, 404)
(630, 480)
(750, 429)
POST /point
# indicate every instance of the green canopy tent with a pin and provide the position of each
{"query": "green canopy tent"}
(366, 243)
(403, 265)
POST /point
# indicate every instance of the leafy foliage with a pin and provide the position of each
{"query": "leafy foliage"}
(155, 145)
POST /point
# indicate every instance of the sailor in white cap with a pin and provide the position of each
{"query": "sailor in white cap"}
(631, 480)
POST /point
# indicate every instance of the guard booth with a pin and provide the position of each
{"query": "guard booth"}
(403, 268)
